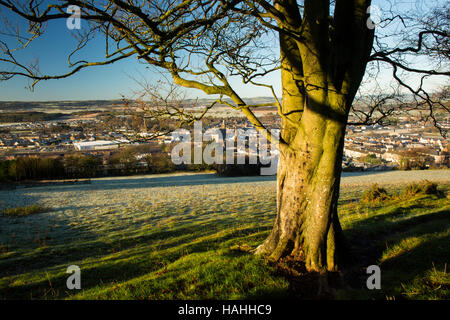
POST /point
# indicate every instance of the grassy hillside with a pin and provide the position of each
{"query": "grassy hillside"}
(190, 237)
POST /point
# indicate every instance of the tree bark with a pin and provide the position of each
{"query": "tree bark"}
(307, 225)
(320, 71)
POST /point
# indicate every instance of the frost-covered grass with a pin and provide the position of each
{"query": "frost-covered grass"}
(24, 211)
(172, 236)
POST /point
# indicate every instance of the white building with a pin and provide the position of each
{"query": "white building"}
(354, 153)
(96, 145)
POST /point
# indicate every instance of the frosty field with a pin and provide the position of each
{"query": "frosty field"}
(175, 236)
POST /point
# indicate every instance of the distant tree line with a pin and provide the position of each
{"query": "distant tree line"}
(121, 163)
(74, 166)
(142, 160)
(38, 168)
(31, 168)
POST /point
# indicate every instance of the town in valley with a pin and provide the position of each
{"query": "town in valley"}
(98, 138)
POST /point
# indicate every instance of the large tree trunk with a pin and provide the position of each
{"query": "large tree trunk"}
(321, 71)
(307, 224)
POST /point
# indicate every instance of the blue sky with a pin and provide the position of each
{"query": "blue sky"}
(93, 83)
(102, 82)
(52, 49)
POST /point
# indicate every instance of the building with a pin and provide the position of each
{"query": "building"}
(96, 145)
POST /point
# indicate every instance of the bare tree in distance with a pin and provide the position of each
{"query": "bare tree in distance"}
(324, 50)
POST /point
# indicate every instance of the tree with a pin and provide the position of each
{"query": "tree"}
(125, 159)
(81, 165)
(325, 49)
(159, 163)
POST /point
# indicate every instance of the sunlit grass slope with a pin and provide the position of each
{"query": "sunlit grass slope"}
(189, 237)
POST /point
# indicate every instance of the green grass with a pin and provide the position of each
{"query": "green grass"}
(25, 210)
(193, 242)
(408, 237)
(374, 194)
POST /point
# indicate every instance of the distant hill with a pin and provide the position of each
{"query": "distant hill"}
(29, 116)
(11, 106)
(96, 105)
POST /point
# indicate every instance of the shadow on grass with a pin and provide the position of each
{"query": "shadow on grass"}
(143, 182)
(371, 238)
(103, 267)
(384, 224)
